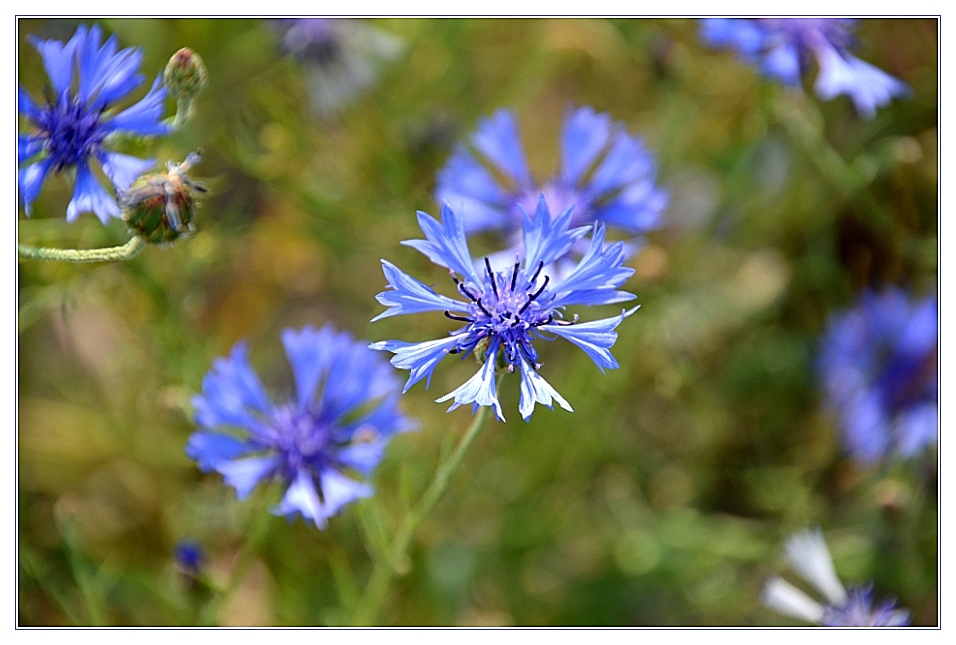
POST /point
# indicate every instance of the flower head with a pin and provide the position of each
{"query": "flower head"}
(606, 174)
(808, 555)
(878, 364)
(340, 58)
(190, 556)
(73, 129)
(504, 312)
(783, 47)
(343, 414)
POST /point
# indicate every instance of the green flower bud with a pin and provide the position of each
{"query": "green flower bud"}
(160, 206)
(185, 74)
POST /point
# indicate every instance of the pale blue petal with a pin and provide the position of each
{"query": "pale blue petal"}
(636, 209)
(25, 105)
(445, 243)
(30, 179)
(534, 389)
(419, 358)
(600, 268)
(627, 161)
(918, 428)
(232, 394)
(409, 296)
(782, 62)
(301, 497)
(89, 195)
(209, 449)
(339, 490)
(122, 169)
(479, 389)
(585, 135)
(144, 116)
(464, 176)
(27, 147)
(244, 474)
(309, 352)
(58, 59)
(497, 139)
(744, 35)
(546, 239)
(595, 337)
(869, 87)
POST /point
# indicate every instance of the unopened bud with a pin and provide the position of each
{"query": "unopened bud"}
(160, 206)
(185, 74)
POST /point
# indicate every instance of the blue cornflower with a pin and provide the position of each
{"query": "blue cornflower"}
(783, 47)
(74, 126)
(343, 414)
(340, 57)
(506, 311)
(190, 556)
(606, 175)
(878, 364)
(808, 555)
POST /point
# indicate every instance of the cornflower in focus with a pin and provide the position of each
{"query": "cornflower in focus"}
(75, 125)
(606, 174)
(340, 58)
(783, 47)
(878, 364)
(808, 555)
(342, 416)
(505, 311)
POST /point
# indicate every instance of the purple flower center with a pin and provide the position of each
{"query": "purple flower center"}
(506, 312)
(302, 439)
(72, 132)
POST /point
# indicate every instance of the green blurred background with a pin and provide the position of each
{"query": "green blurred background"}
(662, 500)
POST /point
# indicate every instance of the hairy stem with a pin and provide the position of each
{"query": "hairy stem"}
(111, 254)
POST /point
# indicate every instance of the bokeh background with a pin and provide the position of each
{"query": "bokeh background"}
(662, 500)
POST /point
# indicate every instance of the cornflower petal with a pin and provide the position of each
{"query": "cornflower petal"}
(143, 117)
(232, 394)
(445, 243)
(58, 59)
(585, 135)
(867, 86)
(409, 296)
(309, 355)
(808, 555)
(534, 389)
(25, 104)
(122, 169)
(301, 497)
(497, 138)
(783, 63)
(546, 240)
(595, 337)
(784, 598)
(628, 160)
(419, 358)
(29, 181)
(599, 268)
(742, 34)
(338, 490)
(89, 195)
(209, 449)
(244, 474)
(479, 389)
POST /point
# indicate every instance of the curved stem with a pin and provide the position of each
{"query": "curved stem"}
(111, 254)
(369, 605)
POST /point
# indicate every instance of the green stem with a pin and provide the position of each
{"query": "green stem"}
(258, 525)
(112, 254)
(182, 112)
(369, 605)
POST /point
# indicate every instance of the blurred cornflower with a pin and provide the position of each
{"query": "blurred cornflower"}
(878, 364)
(340, 58)
(783, 47)
(343, 414)
(606, 175)
(75, 125)
(808, 555)
(506, 311)
(189, 556)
